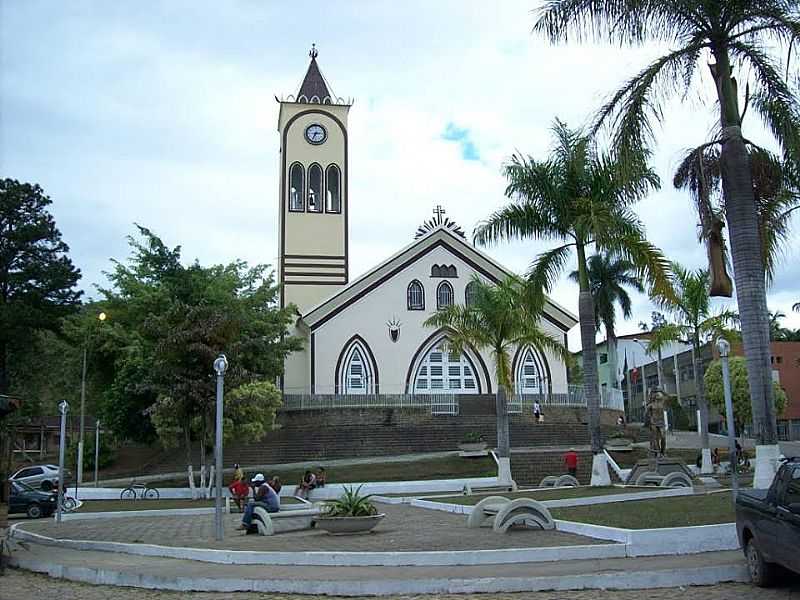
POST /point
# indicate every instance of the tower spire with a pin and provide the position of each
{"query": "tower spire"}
(314, 90)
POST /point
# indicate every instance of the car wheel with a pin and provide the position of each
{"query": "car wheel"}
(46, 485)
(761, 572)
(34, 511)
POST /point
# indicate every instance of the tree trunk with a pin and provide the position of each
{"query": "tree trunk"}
(660, 371)
(591, 390)
(4, 379)
(700, 388)
(748, 265)
(611, 342)
(503, 437)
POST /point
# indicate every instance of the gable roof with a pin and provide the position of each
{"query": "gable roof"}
(439, 237)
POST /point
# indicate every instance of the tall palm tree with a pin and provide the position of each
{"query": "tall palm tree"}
(694, 324)
(608, 277)
(741, 33)
(582, 199)
(499, 319)
(796, 307)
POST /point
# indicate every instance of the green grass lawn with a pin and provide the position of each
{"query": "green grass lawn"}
(441, 467)
(554, 494)
(681, 511)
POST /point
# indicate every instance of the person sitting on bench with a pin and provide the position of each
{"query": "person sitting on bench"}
(308, 483)
(265, 497)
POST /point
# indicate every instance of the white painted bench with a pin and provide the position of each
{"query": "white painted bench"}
(504, 513)
(559, 481)
(469, 490)
(284, 520)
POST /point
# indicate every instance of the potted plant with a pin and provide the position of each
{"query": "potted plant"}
(350, 513)
(472, 444)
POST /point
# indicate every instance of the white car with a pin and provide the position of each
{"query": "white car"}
(43, 477)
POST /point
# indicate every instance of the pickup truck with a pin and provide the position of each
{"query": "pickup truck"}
(768, 524)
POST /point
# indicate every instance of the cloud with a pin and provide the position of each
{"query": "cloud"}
(452, 133)
(167, 117)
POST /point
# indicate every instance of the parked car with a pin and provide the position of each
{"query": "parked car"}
(43, 477)
(768, 524)
(34, 503)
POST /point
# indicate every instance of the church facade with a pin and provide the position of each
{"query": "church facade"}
(367, 335)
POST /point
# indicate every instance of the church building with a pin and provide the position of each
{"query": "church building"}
(366, 335)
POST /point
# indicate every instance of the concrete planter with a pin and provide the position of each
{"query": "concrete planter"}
(472, 446)
(348, 525)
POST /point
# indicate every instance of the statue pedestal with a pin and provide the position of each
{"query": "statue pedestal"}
(661, 466)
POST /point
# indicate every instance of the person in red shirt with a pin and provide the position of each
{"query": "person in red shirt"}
(571, 462)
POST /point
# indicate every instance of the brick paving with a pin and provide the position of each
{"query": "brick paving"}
(404, 529)
(20, 584)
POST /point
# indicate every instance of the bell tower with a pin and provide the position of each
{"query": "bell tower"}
(313, 201)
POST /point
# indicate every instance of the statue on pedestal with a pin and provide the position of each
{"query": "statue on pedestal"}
(654, 418)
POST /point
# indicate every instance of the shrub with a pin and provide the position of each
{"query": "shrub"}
(351, 504)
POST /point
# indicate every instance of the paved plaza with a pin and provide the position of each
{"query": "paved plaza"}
(20, 584)
(404, 529)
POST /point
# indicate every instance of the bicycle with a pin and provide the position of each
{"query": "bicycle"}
(139, 491)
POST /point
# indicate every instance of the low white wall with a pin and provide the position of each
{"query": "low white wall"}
(661, 542)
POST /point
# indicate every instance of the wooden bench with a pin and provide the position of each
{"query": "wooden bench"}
(504, 513)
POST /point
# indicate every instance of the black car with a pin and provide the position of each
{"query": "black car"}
(768, 523)
(32, 502)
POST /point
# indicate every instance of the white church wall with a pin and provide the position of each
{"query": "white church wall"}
(368, 318)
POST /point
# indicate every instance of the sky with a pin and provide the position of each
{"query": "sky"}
(164, 114)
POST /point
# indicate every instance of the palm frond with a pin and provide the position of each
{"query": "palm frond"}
(545, 270)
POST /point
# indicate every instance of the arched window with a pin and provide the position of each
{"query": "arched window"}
(528, 376)
(442, 372)
(315, 188)
(444, 295)
(357, 375)
(469, 293)
(416, 296)
(436, 271)
(296, 188)
(333, 188)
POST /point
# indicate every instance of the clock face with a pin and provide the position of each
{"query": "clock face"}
(316, 134)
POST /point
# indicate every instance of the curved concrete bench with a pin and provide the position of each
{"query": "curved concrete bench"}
(485, 510)
(285, 520)
(504, 513)
(649, 478)
(676, 479)
(523, 510)
(549, 481)
(566, 481)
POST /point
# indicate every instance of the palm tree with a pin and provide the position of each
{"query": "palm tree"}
(741, 33)
(499, 319)
(582, 199)
(608, 276)
(694, 324)
(776, 332)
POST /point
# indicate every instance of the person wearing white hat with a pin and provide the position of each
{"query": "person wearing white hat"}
(265, 497)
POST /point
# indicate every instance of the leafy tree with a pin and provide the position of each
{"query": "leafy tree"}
(776, 332)
(169, 323)
(740, 392)
(582, 199)
(741, 34)
(694, 323)
(500, 319)
(608, 277)
(37, 278)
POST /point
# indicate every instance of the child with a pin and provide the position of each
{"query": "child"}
(308, 483)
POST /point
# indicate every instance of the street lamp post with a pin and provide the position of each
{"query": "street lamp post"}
(79, 479)
(96, 449)
(724, 348)
(63, 409)
(220, 366)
